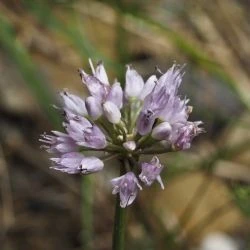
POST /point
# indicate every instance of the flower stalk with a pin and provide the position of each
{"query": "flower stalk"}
(119, 229)
(119, 226)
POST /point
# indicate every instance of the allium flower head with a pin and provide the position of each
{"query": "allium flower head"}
(123, 122)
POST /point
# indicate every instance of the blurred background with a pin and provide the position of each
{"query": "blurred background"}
(206, 203)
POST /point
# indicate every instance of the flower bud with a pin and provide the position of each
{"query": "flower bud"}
(112, 112)
(95, 87)
(93, 107)
(134, 83)
(73, 103)
(129, 145)
(91, 165)
(116, 95)
(162, 131)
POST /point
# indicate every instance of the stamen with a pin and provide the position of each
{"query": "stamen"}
(91, 66)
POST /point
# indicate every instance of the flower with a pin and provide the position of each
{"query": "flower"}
(85, 134)
(129, 145)
(127, 186)
(162, 101)
(183, 135)
(76, 163)
(151, 172)
(112, 112)
(124, 123)
(73, 104)
(58, 143)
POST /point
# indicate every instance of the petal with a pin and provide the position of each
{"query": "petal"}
(116, 95)
(66, 170)
(172, 79)
(91, 164)
(95, 86)
(127, 200)
(66, 147)
(158, 178)
(93, 138)
(73, 103)
(134, 83)
(116, 181)
(94, 107)
(145, 123)
(148, 87)
(101, 74)
(162, 131)
(71, 160)
(112, 112)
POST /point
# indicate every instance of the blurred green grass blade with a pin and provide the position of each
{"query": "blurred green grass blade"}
(28, 70)
(44, 14)
(71, 30)
(242, 197)
(74, 33)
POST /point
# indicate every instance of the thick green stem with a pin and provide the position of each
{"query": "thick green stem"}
(119, 226)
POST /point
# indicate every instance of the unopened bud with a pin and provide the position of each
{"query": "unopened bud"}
(112, 112)
(162, 131)
(134, 83)
(116, 95)
(93, 107)
(129, 145)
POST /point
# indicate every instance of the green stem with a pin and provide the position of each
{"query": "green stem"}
(119, 226)
(120, 219)
(156, 151)
(87, 213)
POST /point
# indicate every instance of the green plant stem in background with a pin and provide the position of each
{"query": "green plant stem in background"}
(87, 212)
(72, 30)
(119, 226)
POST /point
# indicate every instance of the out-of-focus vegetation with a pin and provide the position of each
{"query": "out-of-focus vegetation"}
(43, 43)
